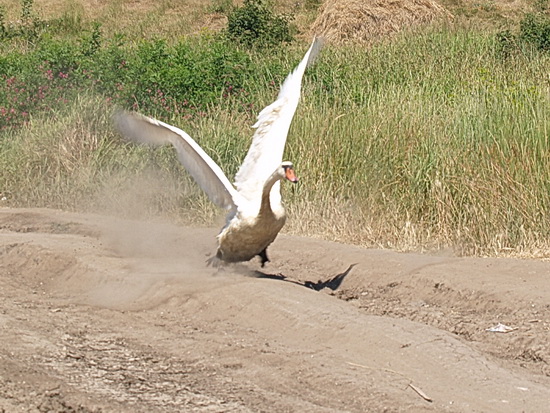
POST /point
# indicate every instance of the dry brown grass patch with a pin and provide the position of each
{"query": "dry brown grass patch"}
(363, 21)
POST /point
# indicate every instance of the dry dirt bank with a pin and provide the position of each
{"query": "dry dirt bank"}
(105, 315)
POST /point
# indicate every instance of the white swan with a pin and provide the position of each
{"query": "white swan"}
(256, 213)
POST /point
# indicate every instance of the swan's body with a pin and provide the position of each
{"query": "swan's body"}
(256, 212)
(249, 234)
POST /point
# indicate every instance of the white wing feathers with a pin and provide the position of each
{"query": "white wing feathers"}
(268, 143)
(263, 157)
(200, 166)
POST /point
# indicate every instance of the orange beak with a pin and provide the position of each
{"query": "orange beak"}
(291, 175)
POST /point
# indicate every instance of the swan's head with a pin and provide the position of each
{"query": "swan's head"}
(288, 171)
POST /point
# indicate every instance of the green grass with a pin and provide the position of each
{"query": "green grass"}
(428, 142)
(436, 142)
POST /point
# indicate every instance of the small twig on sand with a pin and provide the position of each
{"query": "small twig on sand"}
(412, 386)
(420, 393)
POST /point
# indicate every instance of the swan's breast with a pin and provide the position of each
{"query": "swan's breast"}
(245, 237)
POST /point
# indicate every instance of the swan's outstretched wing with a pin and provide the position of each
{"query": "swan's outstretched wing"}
(200, 166)
(266, 151)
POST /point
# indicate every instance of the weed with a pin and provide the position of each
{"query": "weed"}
(70, 23)
(221, 6)
(313, 4)
(26, 11)
(256, 23)
(91, 43)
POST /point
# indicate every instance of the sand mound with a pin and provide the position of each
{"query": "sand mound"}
(100, 314)
(363, 21)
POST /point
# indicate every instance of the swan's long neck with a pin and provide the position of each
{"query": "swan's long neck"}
(266, 192)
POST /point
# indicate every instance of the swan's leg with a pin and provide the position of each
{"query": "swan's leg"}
(263, 256)
(215, 261)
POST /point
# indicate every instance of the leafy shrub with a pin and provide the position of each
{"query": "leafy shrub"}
(92, 42)
(534, 32)
(256, 23)
(154, 77)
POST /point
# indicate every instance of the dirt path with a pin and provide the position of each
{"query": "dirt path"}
(104, 315)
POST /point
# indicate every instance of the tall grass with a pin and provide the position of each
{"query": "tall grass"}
(441, 143)
(74, 160)
(431, 141)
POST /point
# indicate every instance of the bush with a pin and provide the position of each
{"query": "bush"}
(186, 77)
(534, 32)
(160, 79)
(256, 23)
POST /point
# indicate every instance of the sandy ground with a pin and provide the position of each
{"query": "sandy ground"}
(105, 315)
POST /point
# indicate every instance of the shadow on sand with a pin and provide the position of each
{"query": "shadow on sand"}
(332, 283)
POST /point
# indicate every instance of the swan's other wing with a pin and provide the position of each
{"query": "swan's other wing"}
(200, 166)
(266, 151)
